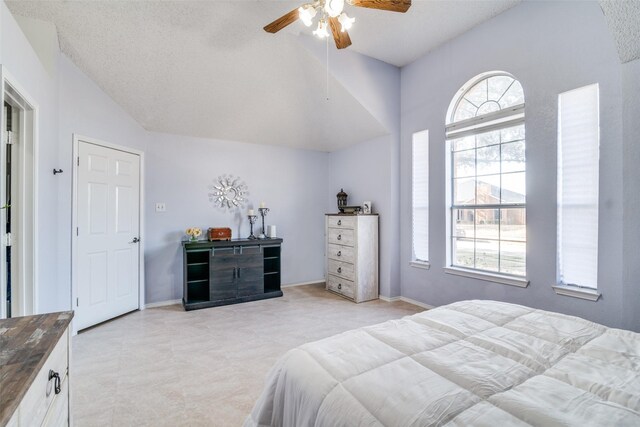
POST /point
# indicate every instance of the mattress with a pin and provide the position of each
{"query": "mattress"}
(471, 363)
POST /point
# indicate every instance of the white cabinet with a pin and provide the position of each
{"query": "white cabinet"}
(352, 256)
(43, 404)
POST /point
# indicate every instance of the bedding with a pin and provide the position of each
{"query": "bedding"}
(471, 363)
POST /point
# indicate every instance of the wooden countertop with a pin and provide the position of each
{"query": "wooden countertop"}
(25, 344)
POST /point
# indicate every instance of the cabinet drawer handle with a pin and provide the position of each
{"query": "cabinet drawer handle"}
(56, 383)
(339, 285)
(339, 222)
(339, 236)
(339, 269)
(339, 253)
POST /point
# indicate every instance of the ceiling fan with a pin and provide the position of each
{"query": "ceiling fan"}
(333, 15)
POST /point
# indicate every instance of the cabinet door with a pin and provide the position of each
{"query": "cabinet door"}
(250, 274)
(222, 275)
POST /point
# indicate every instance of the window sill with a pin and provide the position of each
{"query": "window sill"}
(425, 265)
(577, 292)
(489, 277)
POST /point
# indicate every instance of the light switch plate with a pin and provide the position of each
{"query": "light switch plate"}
(161, 207)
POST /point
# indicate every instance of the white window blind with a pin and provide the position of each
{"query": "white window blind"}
(578, 171)
(420, 189)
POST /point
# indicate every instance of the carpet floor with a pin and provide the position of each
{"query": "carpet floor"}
(167, 367)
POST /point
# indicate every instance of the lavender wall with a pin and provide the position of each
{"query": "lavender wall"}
(631, 189)
(363, 170)
(180, 169)
(178, 172)
(18, 58)
(369, 170)
(84, 109)
(550, 47)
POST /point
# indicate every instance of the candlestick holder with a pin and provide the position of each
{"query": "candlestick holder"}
(252, 220)
(263, 213)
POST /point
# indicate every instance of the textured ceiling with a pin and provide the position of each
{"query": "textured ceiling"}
(206, 68)
(623, 18)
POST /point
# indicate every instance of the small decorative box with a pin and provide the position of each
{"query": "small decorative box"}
(219, 234)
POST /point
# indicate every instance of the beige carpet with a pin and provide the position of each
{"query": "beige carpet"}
(168, 367)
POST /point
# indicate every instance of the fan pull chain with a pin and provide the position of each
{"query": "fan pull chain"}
(327, 39)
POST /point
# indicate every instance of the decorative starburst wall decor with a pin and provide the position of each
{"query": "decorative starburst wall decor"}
(228, 192)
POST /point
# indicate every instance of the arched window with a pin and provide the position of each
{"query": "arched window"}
(486, 186)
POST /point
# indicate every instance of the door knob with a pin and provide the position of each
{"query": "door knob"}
(135, 240)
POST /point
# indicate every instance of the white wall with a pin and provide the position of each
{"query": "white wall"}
(179, 171)
(551, 47)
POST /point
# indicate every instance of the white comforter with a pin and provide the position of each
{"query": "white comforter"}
(479, 363)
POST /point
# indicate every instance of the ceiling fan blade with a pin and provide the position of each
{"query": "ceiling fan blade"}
(391, 5)
(341, 38)
(282, 22)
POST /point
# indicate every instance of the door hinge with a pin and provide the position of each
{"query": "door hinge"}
(7, 136)
(78, 160)
(77, 302)
(6, 239)
(77, 231)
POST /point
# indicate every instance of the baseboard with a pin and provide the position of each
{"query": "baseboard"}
(407, 300)
(163, 303)
(418, 303)
(313, 282)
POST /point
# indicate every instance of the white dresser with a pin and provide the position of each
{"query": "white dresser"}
(34, 359)
(352, 256)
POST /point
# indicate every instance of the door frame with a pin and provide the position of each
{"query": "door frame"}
(74, 217)
(27, 209)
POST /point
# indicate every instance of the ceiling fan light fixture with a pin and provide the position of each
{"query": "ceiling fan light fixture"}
(306, 13)
(345, 21)
(321, 32)
(333, 7)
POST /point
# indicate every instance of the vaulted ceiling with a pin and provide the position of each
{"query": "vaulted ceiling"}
(207, 69)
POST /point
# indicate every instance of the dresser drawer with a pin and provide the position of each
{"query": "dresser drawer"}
(36, 402)
(342, 269)
(338, 236)
(341, 286)
(342, 222)
(340, 253)
(58, 414)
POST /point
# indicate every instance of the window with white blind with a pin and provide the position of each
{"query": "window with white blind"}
(578, 176)
(487, 236)
(420, 198)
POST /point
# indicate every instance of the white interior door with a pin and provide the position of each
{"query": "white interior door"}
(108, 204)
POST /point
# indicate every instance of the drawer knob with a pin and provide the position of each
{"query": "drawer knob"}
(339, 269)
(56, 377)
(339, 253)
(339, 222)
(339, 236)
(339, 285)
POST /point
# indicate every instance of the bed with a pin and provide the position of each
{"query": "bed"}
(471, 363)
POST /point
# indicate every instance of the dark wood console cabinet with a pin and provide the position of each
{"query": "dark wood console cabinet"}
(230, 272)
